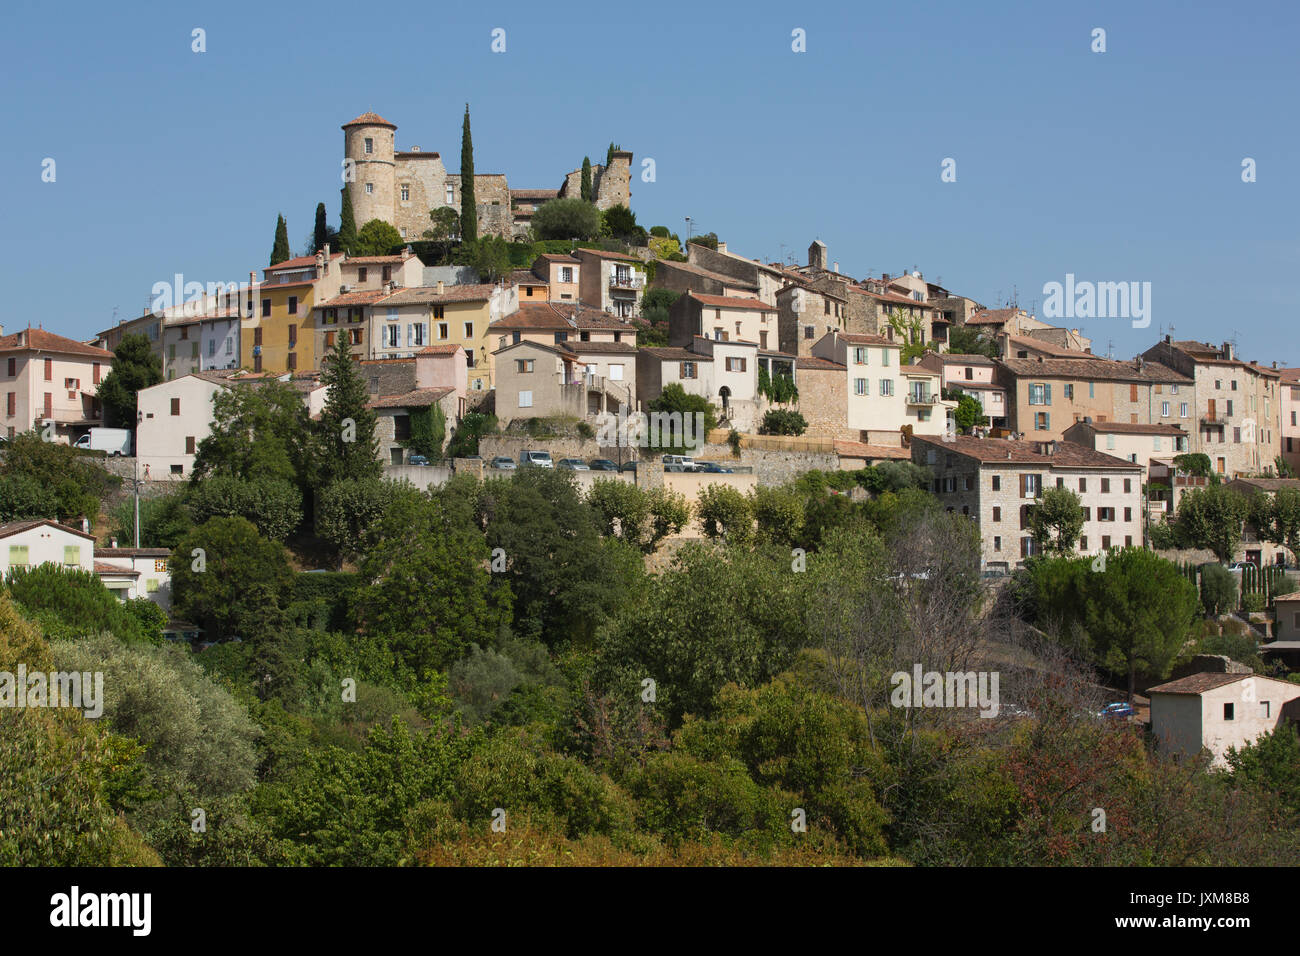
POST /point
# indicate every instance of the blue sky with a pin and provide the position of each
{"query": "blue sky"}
(1118, 166)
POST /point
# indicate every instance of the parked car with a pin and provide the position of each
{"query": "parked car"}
(679, 463)
(602, 464)
(572, 464)
(1119, 709)
(1238, 566)
(712, 468)
(417, 460)
(629, 466)
(502, 463)
(541, 459)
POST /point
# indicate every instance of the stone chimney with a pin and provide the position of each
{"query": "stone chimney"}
(440, 287)
(1227, 351)
(722, 247)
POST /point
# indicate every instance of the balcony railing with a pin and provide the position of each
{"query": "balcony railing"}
(617, 281)
(1216, 418)
(922, 398)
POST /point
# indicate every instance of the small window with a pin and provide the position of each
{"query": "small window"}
(406, 193)
(1229, 712)
(176, 406)
(524, 366)
(266, 308)
(370, 188)
(997, 513)
(526, 399)
(370, 145)
(71, 555)
(997, 482)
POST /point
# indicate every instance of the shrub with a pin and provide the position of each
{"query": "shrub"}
(782, 421)
(1218, 589)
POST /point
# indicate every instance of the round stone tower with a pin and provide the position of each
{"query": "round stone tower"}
(368, 142)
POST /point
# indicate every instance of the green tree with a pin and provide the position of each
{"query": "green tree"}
(164, 520)
(429, 588)
(1211, 518)
(490, 257)
(444, 230)
(280, 250)
(968, 340)
(230, 580)
(1278, 519)
(1195, 464)
(708, 240)
(1270, 766)
(322, 235)
(349, 510)
(257, 431)
(620, 222)
(468, 202)
(135, 366)
(344, 438)
(73, 483)
(910, 331)
(377, 238)
(782, 421)
(585, 187)
(273, 505)
(609, 154)
(22, 497)
(779, 513)
(566, 219)
(725, 513)
(1137, 612)
(673, 406)
(347, 224)
(1218, 589)
(464, 441)
(968, 413)
(69, 603)
(1056, 520)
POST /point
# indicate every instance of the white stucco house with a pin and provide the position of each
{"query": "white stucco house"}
(1219, 711)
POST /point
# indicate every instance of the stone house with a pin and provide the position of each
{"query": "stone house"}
(1289, 389)
(997, 481)
(1216, 712)
(688, 277)
(611, 281)
(740, 272)
(971, 375)
(1136, 443)
(805, 314)
(723, 318)
(575, 327)
(1045, 396)
(1238, 405)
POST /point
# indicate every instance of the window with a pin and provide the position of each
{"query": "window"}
(886, 386)
(526, 399)
(439, 312)
(1069, 392)
(1265, 709)
(401, 428)
(71, 555)
(370, 188)
(1234, 384)
(997, 482)
(370, 145)
(859, 386)
(1105, 514)
(561, 337)
(1128, 514)
(292, 363)
(212, 347)
(18, 555)
(392, 336)
(687, 370)
(1105, 486)
(11, 402)
(884, 358)
(178, 469)
(176, 406)
(329, 340)
(293, 305)
(1031, 486)
(1228, 712)
(860, 356)
(1128, 485)
(451, 193)
(49, 370)
(1042, 421)
(13, 363)
(1182, 410)
(616, 373)
(151, 585)
(1164, 409)
(1105, 542)
(469, 330)
(1060, 482)
(406, 193)
(524, 366)
(1083, 484)
(997, 513)
(808, 331)
(189, 444)
(266, 308)
(997, 542)
(736, 364)
(1040, 394)
(442, 330)
(1092, 390)
(566, 273)
(1110, 442)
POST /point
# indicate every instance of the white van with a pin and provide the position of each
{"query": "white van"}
(542, 459)
(679, 463)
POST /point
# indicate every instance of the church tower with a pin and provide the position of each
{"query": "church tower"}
(368, 143)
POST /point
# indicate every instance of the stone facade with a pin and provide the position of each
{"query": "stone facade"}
(402, 187)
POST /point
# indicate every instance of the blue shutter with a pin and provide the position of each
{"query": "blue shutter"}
(1049, 420)
(1047, 394)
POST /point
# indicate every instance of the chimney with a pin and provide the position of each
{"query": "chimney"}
(1139, 363)
(440, 287)
(1227, 350)
(722, 247)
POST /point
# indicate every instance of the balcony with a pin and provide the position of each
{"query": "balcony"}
(1219, 419)
(922, 398)
(634, 281)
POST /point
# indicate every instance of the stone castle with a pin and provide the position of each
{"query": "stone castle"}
(401, 187)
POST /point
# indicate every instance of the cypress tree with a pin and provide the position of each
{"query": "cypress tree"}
(343, 449)
(468, 206)
(322, 229)
(586, 179)
(347, 224)
(280, 251)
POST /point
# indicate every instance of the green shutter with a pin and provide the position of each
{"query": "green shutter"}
(1047, 394)
(72, 555)
(18, 555)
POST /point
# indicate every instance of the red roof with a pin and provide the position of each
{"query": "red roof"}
(38, 340)
(732, 302)
(438, 350)
(370, 119)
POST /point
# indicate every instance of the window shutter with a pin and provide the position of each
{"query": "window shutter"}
(1023, 484)
(1048, 416)
(1047, 394)
(1024, 547)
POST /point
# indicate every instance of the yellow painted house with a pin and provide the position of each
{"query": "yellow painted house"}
(279, 336)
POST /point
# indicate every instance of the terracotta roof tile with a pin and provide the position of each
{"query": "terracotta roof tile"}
(38, 340)
(1002, 450)
(370, 119)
